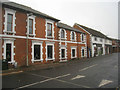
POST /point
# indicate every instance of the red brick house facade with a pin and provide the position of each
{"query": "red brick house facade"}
(88, 39)
(30, 37)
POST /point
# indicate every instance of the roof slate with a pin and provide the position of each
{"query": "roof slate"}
(27, 9)
(94, 32)
(65, 26)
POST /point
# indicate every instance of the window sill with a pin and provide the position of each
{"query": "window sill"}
(50, 37)
(50, 59)
(31, 35)
(73, 57)
(11, 62)
(73, 40)
(9, 32)
(37, 60)
(63, 38)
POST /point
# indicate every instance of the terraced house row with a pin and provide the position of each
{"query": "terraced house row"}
(30, 37)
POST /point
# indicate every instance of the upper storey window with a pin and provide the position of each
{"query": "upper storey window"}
(49, 28)
(95, 38)
(62, 33)
(73, 36)
(9, 24)
(31, 25)
(83, 37)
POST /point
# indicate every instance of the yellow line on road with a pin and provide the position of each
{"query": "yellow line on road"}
(10, 73)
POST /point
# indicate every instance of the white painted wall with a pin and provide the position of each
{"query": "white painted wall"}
(104, 41)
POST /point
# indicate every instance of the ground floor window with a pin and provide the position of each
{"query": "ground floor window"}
(49, 51)
(82, 51)
(37, 54)
(37, 49)
(73, 52)
(62, 53)
(8, 51)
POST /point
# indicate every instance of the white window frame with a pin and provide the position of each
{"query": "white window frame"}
(9, 41)
(74, 36)
(82, 48)
(33, 18)
(53, 53)
(82, 38)
(64, 34)
(41, 52)
(9, 11)
(75, 52)
(61, 53)
(51, 22)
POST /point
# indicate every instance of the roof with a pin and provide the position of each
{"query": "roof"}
(27, 9)
(94, 32)
(65, 26)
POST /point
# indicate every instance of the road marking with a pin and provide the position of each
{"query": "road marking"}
(88, 67)
(83, 86)
(77, 77)
(10, 73)
(42, 81)
(104, 82)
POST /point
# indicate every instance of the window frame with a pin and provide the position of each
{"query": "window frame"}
(51, 44)
(72, 36)
(41, 51)
(82, 48)
(52, 23)
(9, 41)
(82, 37)
(12, 12)
(33, 30)
(95, 38)
(63, 33)
(75, 52)
(51, 29)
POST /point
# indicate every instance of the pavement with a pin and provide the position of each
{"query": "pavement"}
(97, 72)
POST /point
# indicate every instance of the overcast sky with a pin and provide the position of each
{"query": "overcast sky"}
(101, 15)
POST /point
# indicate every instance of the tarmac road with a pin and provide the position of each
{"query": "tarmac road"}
(97, 72)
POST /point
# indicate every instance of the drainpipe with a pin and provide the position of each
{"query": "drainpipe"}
(27, 43)
(27, 51)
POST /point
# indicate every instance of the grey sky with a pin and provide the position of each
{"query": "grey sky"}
(101, 15)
